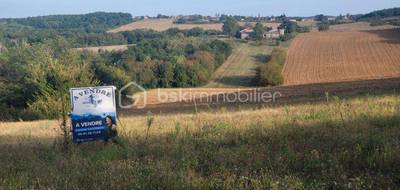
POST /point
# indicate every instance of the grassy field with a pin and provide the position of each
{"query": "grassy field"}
(336, 144)
(359, 26)
(240, 69)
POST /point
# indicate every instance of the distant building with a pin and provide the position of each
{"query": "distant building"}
(245, 33)
(214, 19)
(331, 18)
(274, 34)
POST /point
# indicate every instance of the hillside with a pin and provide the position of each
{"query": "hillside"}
(165, 24)
(379, 14)
(336, 144)
(382, 17)
(359, 26)
(65, 31)
(91, 21)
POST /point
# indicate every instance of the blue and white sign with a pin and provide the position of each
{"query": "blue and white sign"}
(93, 111)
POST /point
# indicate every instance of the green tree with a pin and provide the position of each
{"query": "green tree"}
(165, 74)
(231, 26)
(181, 78)
(270, 74)
(323, 26)
(205, 59)
(289, 26)
(321, 18)
(258, 32)
(60, 75)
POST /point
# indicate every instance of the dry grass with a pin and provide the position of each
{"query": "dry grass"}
(162, 25)
(333, 145)
(105, 48)
(321, 57)
(384, 105)
(172, 101)
(165, 24)
(358, 26)
(156, 96)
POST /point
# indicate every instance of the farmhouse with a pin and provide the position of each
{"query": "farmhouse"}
(331, 18)
(245, 33)
(274, 34)
(307, 20)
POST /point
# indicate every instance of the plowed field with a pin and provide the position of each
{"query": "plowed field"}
(324, 57)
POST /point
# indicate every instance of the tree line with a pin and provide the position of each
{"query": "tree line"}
(75, 31)
(270, 73)
(34, 77)
(92, 22)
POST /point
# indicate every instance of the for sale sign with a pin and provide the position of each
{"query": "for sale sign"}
(93, 111)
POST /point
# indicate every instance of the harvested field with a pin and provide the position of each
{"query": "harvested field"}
(164, 24)
(106, 48)
(358, 26)
(323, 57)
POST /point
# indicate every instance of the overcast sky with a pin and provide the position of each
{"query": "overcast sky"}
(24, 8)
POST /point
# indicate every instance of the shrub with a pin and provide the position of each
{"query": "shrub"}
(377, 22)
(270, 74)
(278, 55)
(304, 29)
(323, 26)
(288, 36)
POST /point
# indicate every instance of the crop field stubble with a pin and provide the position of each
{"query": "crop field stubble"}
(165, 24)
(162, 25)
(344, 54)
